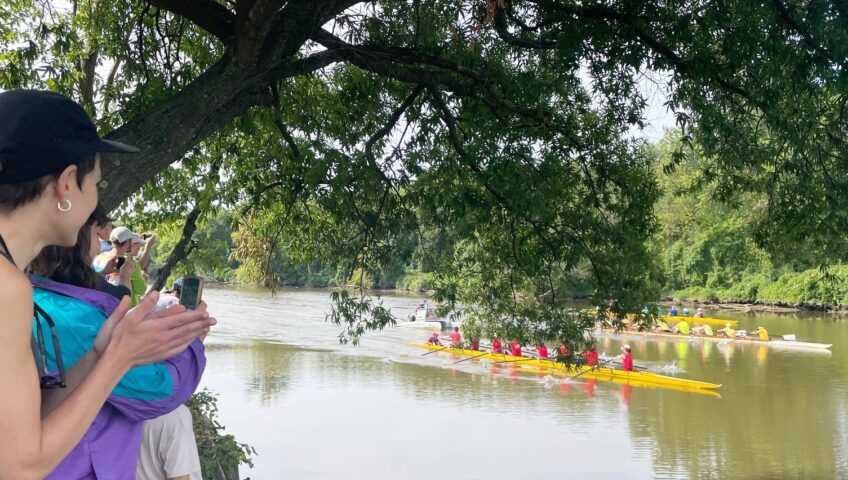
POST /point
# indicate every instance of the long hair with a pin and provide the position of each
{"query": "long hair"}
(71, 265)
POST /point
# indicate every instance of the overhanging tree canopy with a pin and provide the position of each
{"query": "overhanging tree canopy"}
(360, 130)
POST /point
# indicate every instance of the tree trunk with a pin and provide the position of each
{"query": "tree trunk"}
(181, 249)
(168, 130)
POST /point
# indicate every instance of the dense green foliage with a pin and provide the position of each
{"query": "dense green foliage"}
(707, 249)
(481, 146)
(220, 454)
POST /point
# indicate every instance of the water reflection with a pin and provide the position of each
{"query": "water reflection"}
(707, 350)
(762, 355)
(626, 392)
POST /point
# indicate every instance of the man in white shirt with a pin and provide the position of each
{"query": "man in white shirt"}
(168, 448)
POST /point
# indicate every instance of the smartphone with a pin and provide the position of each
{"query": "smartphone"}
(119, 262)
(191, 291)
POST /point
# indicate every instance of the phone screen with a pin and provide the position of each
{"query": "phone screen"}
(190, 293)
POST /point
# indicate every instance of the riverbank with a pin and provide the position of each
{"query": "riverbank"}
(689, 297)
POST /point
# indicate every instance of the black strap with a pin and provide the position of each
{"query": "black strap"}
(44, 315)
(6, 253)
(56, 348)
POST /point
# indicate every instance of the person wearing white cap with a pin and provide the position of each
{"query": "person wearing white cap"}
(115, 265)
(627, 361)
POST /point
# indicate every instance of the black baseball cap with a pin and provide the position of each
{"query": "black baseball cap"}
(45, 132)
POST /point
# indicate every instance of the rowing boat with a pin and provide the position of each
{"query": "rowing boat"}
(673, 319)
(428, 324)
(703, 321)
(622, 380)
(646, 379)
(425, 317)
(772, 342)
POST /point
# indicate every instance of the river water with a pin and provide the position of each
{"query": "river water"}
(314, 409)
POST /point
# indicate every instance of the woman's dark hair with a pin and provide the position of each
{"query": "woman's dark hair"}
(99, 217)
(17, 195)
(70, 265)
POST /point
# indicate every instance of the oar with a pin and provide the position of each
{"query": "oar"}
(592, 369)
(434, 351)
(470, 358)
(516, 360)
(635, 367)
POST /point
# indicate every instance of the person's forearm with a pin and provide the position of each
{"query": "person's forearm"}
(183, 371)
(52, 398)
(144, 261)
(65, 426)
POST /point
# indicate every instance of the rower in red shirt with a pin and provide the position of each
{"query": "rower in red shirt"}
(515, 346)
(475, 344)
(592, 357)
(497, 346)
(455, 337)
(627, 361)
(542, 350)
(434, 339)
(563, 350)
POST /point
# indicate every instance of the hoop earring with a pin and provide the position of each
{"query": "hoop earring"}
(59, 206)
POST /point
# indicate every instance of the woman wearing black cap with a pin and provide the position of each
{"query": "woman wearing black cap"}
(49, 171)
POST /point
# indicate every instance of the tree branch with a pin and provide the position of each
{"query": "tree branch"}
(89, 75)
(206, 14)
(463, 81)
(503, 32)
(281, 127)
(181, 249)
(393, 119)
(253, 23)
(297, 13)
(640, 33)
(786, 16)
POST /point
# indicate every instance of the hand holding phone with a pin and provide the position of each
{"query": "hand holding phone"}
(191, 292)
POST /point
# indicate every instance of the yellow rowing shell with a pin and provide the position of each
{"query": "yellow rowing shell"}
(692, 321)
(703, 321)
(771, 342)
(642, 379)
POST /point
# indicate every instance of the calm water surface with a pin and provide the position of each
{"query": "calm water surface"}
(315, 409)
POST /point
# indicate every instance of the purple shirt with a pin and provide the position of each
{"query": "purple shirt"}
(109, 449)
